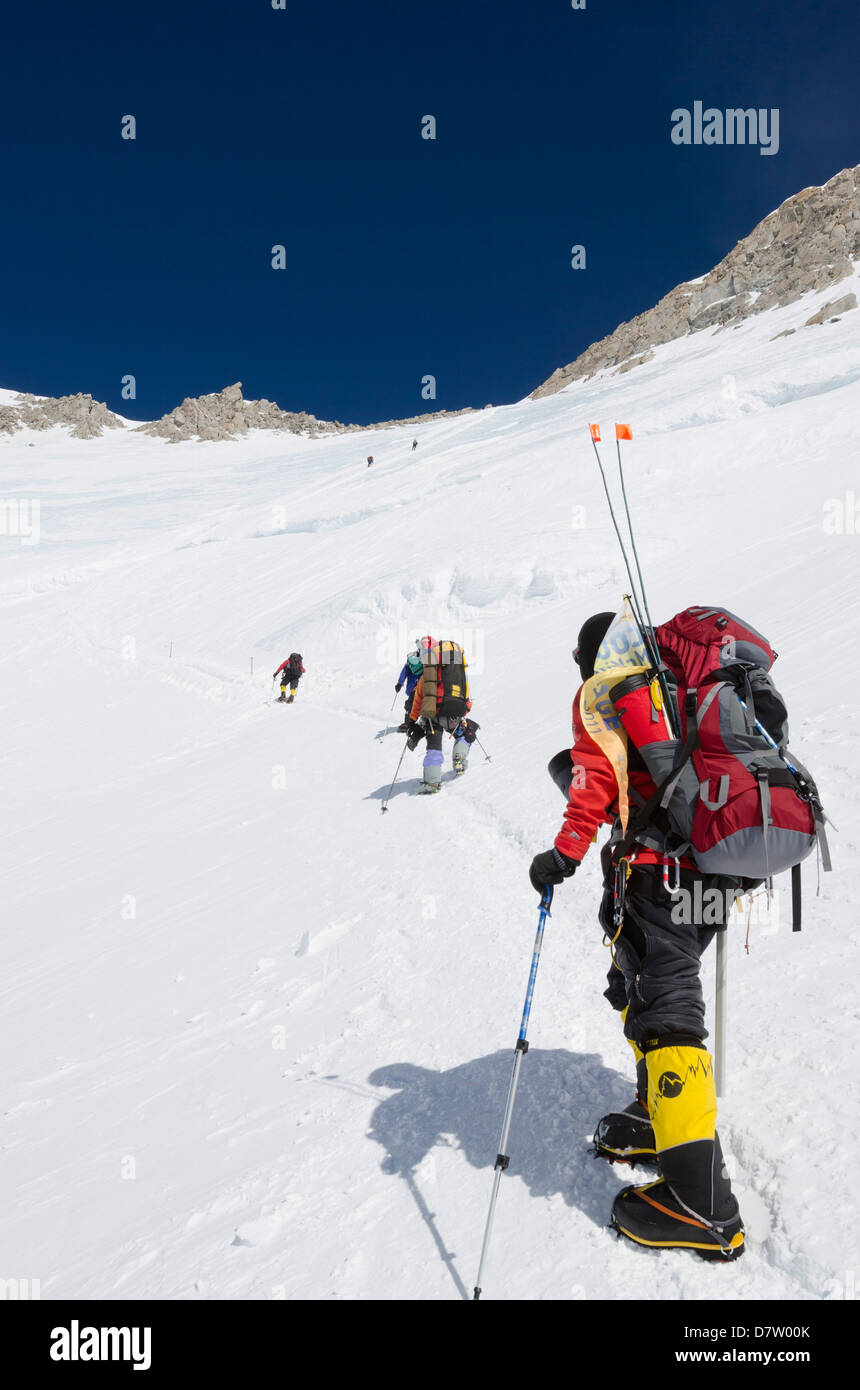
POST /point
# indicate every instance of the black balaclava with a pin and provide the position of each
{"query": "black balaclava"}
(591, 634)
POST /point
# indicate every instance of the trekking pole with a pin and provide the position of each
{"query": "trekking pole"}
(645, 631)
(720, 1015)
(483, 749)
(522, 1047)
(615, 524)
(650, 625)
(384, 806)
(651, 641)
(394, 701)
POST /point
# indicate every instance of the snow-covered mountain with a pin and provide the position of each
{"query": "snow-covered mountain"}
(257, 1037)
(810, 242)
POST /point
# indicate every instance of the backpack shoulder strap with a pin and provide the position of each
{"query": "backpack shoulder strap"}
(664, 790)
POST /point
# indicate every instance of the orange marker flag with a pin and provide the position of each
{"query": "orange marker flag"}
(595, 433)
(623, 432)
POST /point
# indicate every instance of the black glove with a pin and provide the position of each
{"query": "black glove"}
(416, 733)
(398, 687)
(274, 675)
(467, 729)
(549, 869)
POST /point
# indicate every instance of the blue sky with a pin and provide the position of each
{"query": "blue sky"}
(405, 257)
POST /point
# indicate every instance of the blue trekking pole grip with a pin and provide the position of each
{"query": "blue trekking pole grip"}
(522, 1047)
(545, 901)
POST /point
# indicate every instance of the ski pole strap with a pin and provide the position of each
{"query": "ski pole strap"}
(826, 862)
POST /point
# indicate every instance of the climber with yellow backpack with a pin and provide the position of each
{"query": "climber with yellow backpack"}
(440, 705)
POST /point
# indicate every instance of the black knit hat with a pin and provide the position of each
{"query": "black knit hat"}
(591, 634)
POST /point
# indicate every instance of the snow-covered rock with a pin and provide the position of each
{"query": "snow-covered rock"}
(85, 417)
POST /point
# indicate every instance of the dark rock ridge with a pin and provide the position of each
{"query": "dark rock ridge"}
(223, 415)
(227, 415)
(808, 243)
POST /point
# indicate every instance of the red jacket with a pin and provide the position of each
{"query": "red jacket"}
(284, 665)
(593, 799)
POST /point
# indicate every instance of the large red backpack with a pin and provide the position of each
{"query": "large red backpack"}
(729, 795)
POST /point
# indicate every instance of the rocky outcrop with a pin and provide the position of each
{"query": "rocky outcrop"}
(227, 415)
(833, 309)
(84, 417)
(807, 244)
(419, 419)
(223, 415)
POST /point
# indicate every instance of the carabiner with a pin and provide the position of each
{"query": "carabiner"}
(671, 888)
(622, 873)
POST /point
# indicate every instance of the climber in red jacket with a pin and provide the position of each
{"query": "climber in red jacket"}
(292, 670)
(655, 984)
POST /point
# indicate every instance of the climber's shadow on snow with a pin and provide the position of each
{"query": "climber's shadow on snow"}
(408, 787)
(560, 1098)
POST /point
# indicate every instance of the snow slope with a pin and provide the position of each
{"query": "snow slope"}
(257, 1037)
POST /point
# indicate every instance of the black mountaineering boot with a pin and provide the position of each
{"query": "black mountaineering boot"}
(691, 1207)
(627, 1136)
